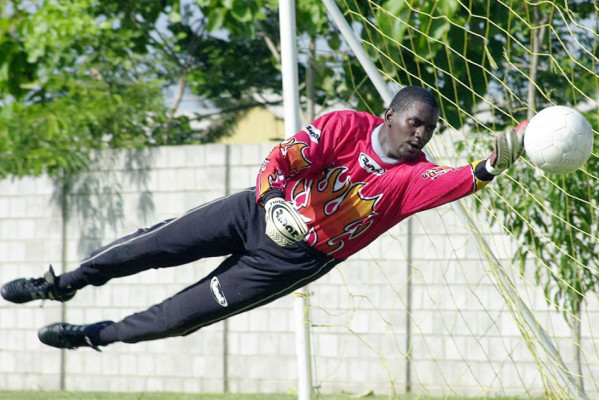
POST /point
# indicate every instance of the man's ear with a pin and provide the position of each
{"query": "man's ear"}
(388, 116)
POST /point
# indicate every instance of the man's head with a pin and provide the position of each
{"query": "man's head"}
(409, 123)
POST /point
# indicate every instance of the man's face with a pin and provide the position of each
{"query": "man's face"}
(405, 133)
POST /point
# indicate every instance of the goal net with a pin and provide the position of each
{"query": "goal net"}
(497, 295)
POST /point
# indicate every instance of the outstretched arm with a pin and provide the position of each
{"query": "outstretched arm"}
(438, 185)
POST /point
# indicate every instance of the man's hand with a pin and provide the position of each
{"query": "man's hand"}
(284, 224)
(509, 145)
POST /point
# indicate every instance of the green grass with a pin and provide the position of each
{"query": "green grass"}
(135, 396)
(34, 395)
(31, 395)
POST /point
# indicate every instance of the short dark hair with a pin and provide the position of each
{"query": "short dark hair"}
(412, 94)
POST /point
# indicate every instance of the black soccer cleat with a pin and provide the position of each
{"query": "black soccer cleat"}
(66, 336)
(23, 290)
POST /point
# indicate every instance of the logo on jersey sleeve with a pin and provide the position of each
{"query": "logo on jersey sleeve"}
(436, 172)
(370, 165)
(313, 132)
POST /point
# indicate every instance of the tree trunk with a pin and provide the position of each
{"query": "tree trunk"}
(311, 82)
(576, 337)
(536, 40)
(180, 92)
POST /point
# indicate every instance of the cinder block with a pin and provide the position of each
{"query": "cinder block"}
(154, 384)
(193, 385)
(239, 322)
(326, 345)
(15, 251)
(250, 344)
(7, 362)
(236, 155)
(167, 180)
(242, 177)
(8, 320)
(195, 156)
(211, 386)
(127, 364)
(184, 178)
(277, 386)
(326, 296)
(211, 179)
(253, 154)
(251, 384)
(45, 382)
(36, 206)
(177, 156)
(258, 321)
(25, 318)
(215, 155)
(16, 338)
(214, 367)
(146, 364)
(4, 207)
(43, 186)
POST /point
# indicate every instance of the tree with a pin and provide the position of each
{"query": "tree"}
(59, 99)
(82, 75)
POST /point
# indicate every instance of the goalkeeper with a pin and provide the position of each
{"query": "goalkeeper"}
(320, 197)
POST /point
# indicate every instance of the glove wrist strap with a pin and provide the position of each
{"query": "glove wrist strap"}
(491, 170)
(272, 194)
(480, 171)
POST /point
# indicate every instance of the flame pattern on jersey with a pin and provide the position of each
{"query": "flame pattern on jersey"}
(293, 151)
(334, 194)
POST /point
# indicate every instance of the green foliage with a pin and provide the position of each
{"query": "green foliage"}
(59, 101)
(237, 16)
(225, 72)
(58, 134)
(82, 75)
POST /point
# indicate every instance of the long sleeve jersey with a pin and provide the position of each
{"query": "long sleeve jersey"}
(347, 190)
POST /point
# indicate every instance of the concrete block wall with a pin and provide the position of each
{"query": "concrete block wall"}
(461, 331)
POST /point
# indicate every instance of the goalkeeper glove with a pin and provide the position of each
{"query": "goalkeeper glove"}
(284, 225)
(509, 145)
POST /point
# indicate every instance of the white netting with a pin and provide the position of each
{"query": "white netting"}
(503, 301)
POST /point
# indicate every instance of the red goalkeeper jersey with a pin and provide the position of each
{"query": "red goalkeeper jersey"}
(349, 193)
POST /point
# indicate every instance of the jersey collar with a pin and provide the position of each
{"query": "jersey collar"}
(378, 148)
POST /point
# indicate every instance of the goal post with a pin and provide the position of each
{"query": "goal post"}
(292, 126)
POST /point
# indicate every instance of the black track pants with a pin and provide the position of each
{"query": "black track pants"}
(256, 272)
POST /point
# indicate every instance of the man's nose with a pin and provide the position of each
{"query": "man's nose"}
(420, 132)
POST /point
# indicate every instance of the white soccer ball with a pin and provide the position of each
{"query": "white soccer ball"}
(558, 140)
